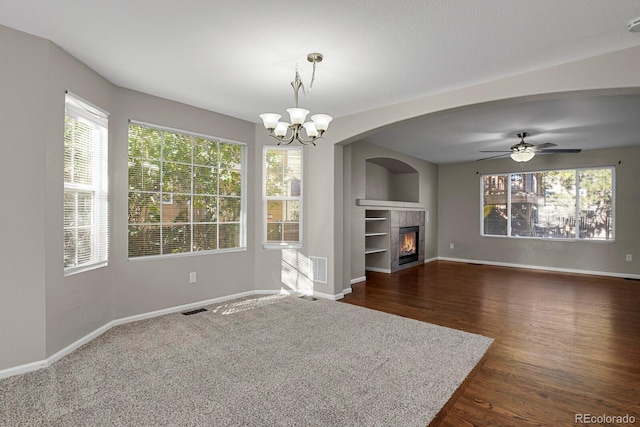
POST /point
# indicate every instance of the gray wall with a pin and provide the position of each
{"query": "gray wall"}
(379, 179)
(144, 285)
(41, 310)
(23, 87)
(359, 152)
(406, 187)
(80, 303)
(459, 216)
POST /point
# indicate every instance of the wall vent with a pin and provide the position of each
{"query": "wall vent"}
(318, 269)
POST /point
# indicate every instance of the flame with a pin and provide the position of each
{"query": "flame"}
(408, 246)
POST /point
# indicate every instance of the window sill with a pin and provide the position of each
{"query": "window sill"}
(70, 271)
(270, 246)
(548, 239)
(187, 254)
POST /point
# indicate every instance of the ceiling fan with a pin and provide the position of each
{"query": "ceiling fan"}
(523, 151)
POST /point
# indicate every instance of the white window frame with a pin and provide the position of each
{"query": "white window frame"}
(282, 244)
(577, 205)
(243, 198)
(98, 120)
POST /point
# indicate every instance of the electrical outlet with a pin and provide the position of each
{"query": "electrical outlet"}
(192, 277)
(629, 257)
(450, 245)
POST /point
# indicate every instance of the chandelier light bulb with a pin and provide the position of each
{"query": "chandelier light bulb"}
(297, 115)
(310, 127)
(321, 121)
(270, 120)
(281, 129)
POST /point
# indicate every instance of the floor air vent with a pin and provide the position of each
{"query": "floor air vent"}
(189, 313)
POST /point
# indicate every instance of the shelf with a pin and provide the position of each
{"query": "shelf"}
(368, 251)
(376, 232)
(390, 204)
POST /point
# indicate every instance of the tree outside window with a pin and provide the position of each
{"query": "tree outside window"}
(185, 192)
(560, 204)
(282, 195)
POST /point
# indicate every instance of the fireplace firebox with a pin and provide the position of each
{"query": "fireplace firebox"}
(408, 244)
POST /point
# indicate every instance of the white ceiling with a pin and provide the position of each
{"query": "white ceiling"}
(238, 58)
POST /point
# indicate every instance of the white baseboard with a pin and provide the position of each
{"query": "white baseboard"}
(427, 261)
(347, 291)
(328, 296)
(23, 369)
(358, 280)
(378, 270)
(34, 366)
(543, 268)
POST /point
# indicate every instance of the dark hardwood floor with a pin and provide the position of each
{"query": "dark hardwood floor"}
(565, 344)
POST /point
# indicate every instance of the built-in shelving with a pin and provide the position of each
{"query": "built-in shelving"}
(377, 227)
(375, 234)
(368, 251)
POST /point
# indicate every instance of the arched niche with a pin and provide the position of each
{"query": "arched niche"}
(391, 179)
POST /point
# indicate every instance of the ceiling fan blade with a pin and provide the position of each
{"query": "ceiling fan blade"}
(544, 146)
(495, 151)
(560, 150)
(493, 157)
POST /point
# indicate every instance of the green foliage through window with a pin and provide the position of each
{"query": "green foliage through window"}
(282, 195)
(560, 204)
(185, 192)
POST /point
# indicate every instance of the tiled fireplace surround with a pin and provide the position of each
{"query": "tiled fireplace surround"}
(405, 218)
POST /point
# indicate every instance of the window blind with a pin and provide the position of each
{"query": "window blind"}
(282, 196)
(186, 192)
(86, 222)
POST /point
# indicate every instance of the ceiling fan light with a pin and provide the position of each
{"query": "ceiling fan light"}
(523, 156)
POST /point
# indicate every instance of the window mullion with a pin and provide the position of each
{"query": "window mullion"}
(162, 164)
(218, 165)
(508, 191)
(191, 222)
(75, 228)
(577, 207)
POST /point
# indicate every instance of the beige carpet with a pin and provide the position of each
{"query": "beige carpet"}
(259, 361)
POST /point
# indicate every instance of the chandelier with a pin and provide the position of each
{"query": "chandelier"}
(285, 132)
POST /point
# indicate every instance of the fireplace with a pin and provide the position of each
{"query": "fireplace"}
(408, 244)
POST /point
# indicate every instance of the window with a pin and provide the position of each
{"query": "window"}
(186, 192)
(561, 204)
(86, 231)
(282, 197)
